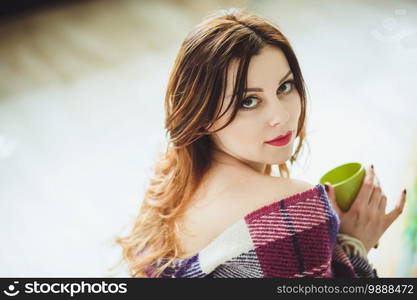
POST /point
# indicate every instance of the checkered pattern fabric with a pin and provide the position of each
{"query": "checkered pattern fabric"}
(290, 238)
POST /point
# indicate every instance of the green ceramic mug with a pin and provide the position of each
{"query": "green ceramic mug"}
(346, 180)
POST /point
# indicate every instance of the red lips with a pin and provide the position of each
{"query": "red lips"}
(279, 137)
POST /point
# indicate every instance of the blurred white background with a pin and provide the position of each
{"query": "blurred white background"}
(81, 116)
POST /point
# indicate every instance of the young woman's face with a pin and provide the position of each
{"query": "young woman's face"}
(270, 107)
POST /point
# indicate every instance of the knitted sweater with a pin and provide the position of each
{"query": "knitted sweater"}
(288, 238)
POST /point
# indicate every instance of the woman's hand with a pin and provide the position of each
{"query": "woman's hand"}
(366, 219)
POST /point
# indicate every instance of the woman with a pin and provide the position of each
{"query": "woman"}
(213, 207)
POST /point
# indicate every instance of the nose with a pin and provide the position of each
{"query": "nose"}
(278, 114)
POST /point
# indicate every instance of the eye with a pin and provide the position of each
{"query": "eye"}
(286, 87)
(248, 100)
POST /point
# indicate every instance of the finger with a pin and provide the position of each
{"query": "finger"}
(383, 204)
(398, 209)
(365, 191)
(376, 194)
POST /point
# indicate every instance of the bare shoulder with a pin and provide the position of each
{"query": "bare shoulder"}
(276, 188)
(290, 182)
(298, 185)
(225, 203)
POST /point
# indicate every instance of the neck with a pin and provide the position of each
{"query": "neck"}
(222, 159)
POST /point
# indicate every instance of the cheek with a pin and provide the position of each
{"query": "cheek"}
(244, 132)
(294, 107)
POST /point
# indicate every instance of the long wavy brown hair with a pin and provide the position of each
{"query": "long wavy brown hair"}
(194, 96)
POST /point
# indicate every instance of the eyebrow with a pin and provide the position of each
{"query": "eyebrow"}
(261, 90)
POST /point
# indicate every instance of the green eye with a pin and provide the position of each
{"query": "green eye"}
(248, 100)
(288, 87)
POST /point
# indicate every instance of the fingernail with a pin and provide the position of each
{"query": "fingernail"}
(372, 167)
(405, 191)
(326, 187)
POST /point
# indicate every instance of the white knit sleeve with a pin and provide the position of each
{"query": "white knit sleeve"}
(352, 246)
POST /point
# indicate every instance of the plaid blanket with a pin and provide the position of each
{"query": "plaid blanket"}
(292, 237)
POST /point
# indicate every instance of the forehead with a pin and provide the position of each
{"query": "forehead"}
(265, 69)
